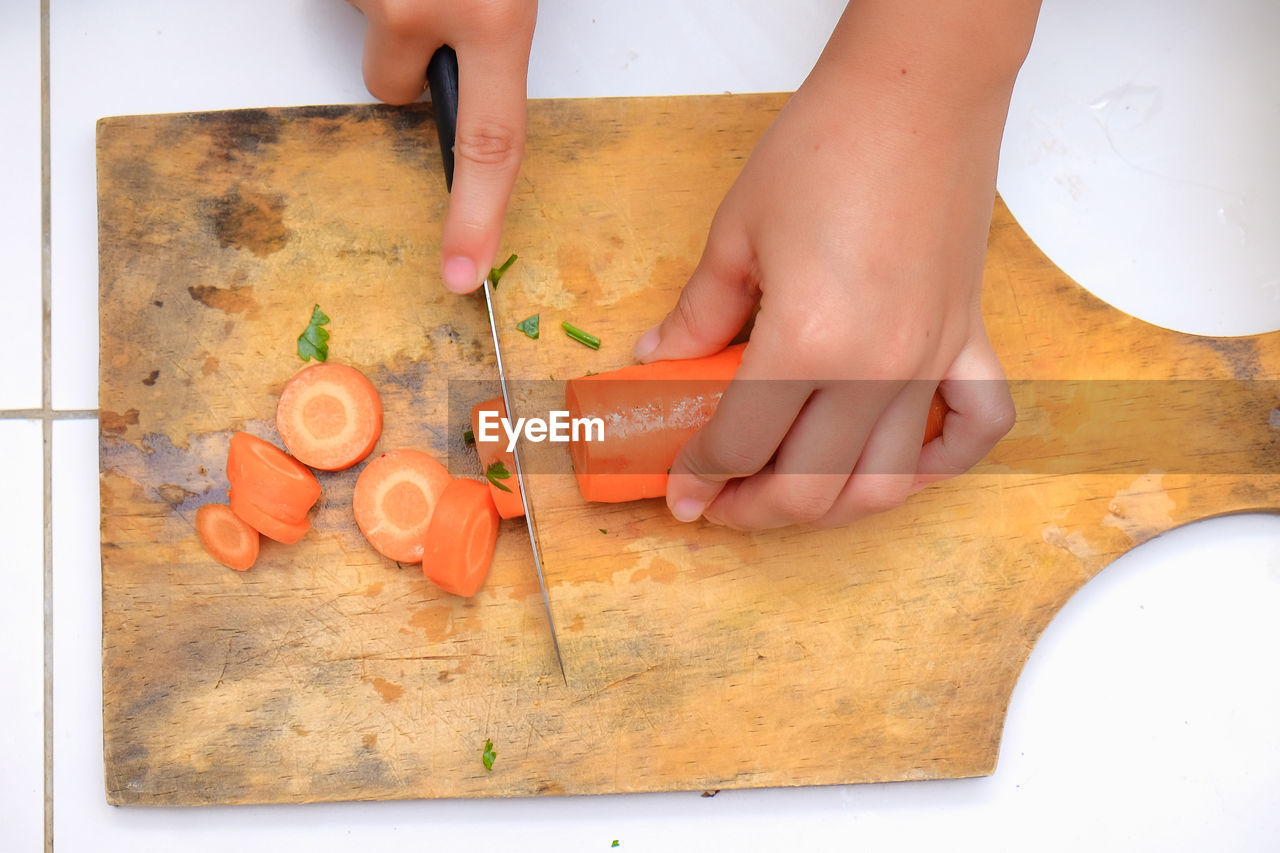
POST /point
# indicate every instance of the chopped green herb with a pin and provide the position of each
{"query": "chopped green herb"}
(615, 843)
(314, 341)
(469, 437)
(488, 755)
(497, 471)
(580, 336)
(602, 530)
(529, 326)
(495, 274)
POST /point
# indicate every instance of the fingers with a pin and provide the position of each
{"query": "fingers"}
(716, 302)
(492, 39)
(841, 429)
(982, 413)
(885, 472)
(488, 149)
(750, 422)
(398, 43)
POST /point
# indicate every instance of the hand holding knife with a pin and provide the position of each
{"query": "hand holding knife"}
(442, 79)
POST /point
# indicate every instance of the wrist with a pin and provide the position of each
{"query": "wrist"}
(941, 58)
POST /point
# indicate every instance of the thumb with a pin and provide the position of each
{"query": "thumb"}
(714, 305)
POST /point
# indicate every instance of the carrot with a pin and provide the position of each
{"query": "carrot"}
(461, 538)
(395, 497)
(226, 537)
(643, 432)
(274, 480)
(506, 500)
(647, 421)
(330, 416)
(263, 521)
(937, 414)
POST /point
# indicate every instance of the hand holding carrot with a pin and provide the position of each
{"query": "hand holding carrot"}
(492, 39)
(858, 228)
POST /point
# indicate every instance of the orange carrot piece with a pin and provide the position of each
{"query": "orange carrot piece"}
(226, 537)
(937, 414)
(264, 522)
(330, 416)
(395, 497)
(274, 480)
(647, 422)
(508, 502)
(643, 433)
(461, 538)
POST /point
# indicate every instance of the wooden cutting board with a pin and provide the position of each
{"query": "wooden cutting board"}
(697, 658)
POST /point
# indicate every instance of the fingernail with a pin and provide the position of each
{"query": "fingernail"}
(646, 345)
(460, 274)
(688, 509)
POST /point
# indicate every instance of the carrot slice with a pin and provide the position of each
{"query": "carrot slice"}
(508, 502)
(395, 497)
(461, 538)
(226, 537)
(330, 416)
(264, 522)
(275, 481)
(650, 411)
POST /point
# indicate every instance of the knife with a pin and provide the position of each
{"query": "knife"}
(442, 79)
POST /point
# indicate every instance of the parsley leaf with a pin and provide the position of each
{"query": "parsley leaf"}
(488, 755)
(529, 326)
(469, 437)
(496, 273)
(602, 530)
(615, 843)
(497, 471)
(314, 341)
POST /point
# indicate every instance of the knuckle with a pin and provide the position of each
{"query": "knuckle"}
(399, 18)
(489, 145)
(804, 504)
(876, 493)
(722, 460)
(497, 17)
(998, 417)
(688, 314)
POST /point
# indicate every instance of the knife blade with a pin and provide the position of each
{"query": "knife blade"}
(442, 79)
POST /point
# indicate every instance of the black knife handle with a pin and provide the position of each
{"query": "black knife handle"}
(442, 80)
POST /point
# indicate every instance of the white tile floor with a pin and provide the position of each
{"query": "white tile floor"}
(1145, 718)
(20, 188)
(22, 634)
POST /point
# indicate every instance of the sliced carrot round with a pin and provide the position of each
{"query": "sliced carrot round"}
(506, 500)
(276, 481)
(330, 416)
(226, 537)
(264, 522)
(395, 497)
(461, 538)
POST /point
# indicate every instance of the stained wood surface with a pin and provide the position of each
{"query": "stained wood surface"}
(697, 658)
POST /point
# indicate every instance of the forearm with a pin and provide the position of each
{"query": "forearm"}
(958, 50)
(927, 73)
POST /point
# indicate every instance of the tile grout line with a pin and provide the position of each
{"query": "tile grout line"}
(48, 414)
(46, 405)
